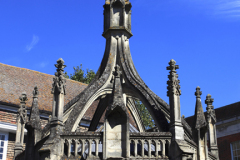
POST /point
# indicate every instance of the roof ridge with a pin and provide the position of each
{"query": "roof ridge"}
(40, 73)
(227, 105)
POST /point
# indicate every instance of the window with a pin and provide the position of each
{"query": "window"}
(3, 145)
(235, 148)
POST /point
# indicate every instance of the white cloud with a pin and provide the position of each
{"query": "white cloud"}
(229, 8)
(43, 64)
(212, 8)
(35, 40)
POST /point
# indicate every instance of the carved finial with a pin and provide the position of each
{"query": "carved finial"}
(198, 93)
(210, 109)
(59, 80)
(117, 73)
(172, 65)
(35, 92)
(23, 98)
(173, 82)
(209, 100)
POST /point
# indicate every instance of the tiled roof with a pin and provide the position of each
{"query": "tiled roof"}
(15, 80)
(222, 113)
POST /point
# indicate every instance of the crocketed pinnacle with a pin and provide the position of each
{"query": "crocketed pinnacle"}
(173, 82)
(22, 111)
(210, 109)
(59, 80)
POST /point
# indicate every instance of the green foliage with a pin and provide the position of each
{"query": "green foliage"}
(80, 75)
(147, 119)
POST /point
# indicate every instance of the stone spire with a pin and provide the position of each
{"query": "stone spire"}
(21, 121)
(200, 127)
(200, 120)
(34, 119)
(33, 127)
(117, 32)
(174, 93)
(211, 121)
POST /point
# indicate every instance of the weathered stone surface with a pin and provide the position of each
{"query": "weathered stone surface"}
(21, 121)
(211, 122)
(115, 87)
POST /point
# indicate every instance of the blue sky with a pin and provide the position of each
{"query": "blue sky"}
(202, 36)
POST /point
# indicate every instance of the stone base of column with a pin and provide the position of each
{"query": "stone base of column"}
(214, 151)
(18, 149)
(177, 132)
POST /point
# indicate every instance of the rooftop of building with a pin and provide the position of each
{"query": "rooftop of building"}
(222, 113)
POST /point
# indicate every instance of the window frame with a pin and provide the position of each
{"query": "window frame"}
(5, 144)
(231, 147)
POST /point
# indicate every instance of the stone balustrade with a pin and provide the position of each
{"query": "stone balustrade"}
(86, 144)
(147, 145)
(143, 145)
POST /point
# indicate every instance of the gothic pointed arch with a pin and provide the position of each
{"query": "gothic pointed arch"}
(117, 52)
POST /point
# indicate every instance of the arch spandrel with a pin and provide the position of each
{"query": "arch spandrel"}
(94, 90)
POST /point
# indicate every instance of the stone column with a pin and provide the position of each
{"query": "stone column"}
(69, 148)
(174, 93)
(163, 149)
(76, 148)
(211, 120)
(156, 148)
(143, 142)
(149, 148)
(97, 142)
(90, 148)
(83, 147)
(135, 148)
(21, 121)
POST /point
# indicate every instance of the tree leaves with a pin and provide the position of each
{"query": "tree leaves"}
(147, 119)
(80, 75)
